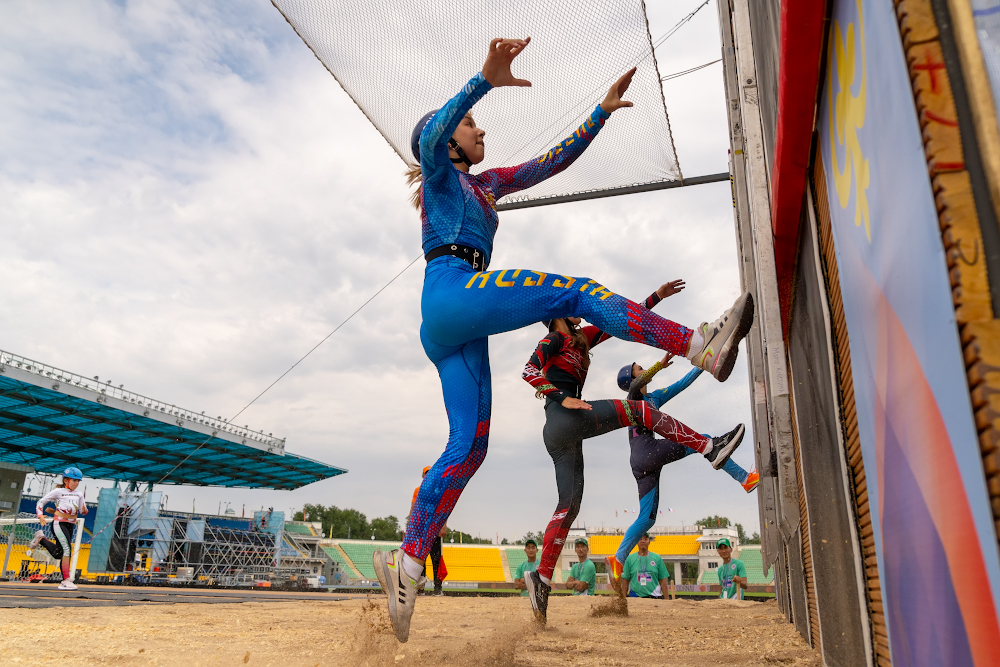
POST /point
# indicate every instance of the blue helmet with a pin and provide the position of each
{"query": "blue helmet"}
(625, 376)
(72, 473)
(418, 128)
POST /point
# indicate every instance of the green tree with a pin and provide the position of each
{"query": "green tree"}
(740, 534)
(538, 537)
(465, 538)
(753, 539)
(344, 523)
(386, 528)
(714, 522)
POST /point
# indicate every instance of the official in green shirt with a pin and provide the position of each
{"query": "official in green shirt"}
(583, 575)
(732, 572)
(645, 572)
(530, 565)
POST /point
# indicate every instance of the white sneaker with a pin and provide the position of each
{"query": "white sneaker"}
(399, 587)
(36, 540)
(722, 338)
(67, 585)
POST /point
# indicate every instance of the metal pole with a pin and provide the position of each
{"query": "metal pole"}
(76, 548)
(614, 192)
(752, 193)
(10, 546)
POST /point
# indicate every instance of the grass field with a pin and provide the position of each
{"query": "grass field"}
(461, 631)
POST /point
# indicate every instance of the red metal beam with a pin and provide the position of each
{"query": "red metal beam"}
(802, 31)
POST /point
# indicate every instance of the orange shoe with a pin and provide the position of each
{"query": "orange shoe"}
(753, 479)
(614, 570)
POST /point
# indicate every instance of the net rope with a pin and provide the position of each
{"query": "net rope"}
(400, 59)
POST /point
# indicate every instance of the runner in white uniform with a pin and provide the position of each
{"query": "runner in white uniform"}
(69, 503)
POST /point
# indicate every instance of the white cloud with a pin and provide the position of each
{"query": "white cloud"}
(190, 203)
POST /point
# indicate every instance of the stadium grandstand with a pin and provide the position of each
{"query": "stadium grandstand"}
(491, 566)
(51, 419)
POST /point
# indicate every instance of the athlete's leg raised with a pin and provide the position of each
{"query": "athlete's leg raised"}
(462, 305)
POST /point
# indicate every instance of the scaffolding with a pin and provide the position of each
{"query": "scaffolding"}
(137, 537)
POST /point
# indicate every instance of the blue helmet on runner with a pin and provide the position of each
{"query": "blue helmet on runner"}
(452, 144)
(72, 473)
(625, 376)
(418, 128)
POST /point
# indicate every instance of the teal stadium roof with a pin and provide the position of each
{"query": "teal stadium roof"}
(51, 419)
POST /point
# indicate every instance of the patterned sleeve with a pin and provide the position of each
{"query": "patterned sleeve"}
(548, 348)
(434, 160)
(634, 393)
(503, 181)
(594, 335)
(652, 300)
(661, 396)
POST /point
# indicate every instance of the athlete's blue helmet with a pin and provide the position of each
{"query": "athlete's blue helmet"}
(417, 129)
(72, 473)
(625, 376)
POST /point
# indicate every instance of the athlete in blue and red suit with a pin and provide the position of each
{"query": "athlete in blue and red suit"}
(558, 370)
(463, 303)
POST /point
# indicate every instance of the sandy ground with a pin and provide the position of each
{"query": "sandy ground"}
(473, 632)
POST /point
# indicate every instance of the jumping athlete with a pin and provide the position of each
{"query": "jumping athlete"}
(463, 303)
(558, 370)
(69, 502)
(650, 454)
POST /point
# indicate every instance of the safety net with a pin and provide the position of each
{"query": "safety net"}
(399, 59)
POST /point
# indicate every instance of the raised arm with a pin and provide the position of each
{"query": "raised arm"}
(635, 389)
(547, 349)
(503, 181)
(434, 161)
(661, 396)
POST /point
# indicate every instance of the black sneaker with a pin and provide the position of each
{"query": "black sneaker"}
(724, 446)
(538, 593)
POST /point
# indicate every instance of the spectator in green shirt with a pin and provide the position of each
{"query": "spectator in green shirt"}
(583, 575)
(732, 572)
(530, 565)
(645, 572)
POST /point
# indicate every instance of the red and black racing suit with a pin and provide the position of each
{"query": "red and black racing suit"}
(557, 370)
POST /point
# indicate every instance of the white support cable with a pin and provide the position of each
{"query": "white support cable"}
(301, 359)
(676, 75)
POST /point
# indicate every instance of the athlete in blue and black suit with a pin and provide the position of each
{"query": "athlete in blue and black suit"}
(650, 454)
(463, 303)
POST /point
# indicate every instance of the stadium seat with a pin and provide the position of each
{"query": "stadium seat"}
(665, 545)
(755, 570)
(361, 554)
(515, 556)
(298, 528)
(472, 563)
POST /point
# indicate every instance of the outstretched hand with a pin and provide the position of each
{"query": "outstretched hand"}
(671, 288)
(496, 69)
(613, 100)
(571, 403)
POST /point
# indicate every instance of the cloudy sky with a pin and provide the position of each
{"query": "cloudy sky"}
(190, 202)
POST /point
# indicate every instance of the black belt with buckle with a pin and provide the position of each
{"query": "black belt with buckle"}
(474, 256)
